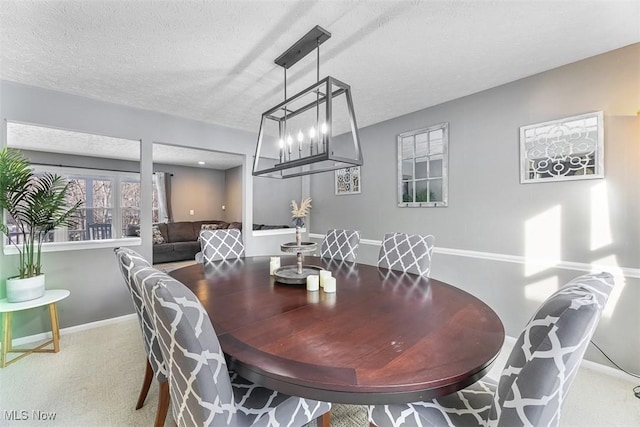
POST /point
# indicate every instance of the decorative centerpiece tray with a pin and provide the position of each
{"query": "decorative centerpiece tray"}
(296, 274)
(289, 274)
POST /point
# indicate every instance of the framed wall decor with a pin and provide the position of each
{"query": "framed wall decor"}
(561, 150)
(347, 181)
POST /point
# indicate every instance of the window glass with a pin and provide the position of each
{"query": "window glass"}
(110, 202)
(407, 148)
(130, 206)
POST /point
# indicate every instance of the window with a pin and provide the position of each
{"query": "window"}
(422, 167)
(111, 202)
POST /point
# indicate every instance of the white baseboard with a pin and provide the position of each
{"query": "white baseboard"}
(630, 272)
(64, 331)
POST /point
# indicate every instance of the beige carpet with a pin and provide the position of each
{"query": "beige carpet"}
(95, 380)
(169, 266)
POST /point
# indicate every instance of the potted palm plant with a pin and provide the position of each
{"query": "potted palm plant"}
(32, 205)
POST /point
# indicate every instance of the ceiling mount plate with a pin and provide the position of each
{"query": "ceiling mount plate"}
(303, 47)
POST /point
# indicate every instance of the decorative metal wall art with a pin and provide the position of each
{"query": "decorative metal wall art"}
(561, 150)
(347, 181)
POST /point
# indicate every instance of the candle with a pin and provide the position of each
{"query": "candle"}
(329, 284)
(323, 276)
(274, 264)
(313, 282)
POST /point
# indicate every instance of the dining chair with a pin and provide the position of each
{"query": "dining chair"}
(536, 377)
(219, 245)
(410, 253)
(203, 391)
(129, 259)
(340, 245)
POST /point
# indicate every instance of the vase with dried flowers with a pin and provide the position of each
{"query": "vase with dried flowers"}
(298, 214)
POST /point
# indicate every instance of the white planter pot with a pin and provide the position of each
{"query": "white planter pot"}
(19, 290)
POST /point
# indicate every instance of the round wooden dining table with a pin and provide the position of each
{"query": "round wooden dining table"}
(382, 337)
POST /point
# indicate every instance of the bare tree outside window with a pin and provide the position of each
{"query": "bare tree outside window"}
(108, 198)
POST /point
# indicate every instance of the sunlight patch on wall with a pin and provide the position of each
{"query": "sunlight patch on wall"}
(543, 241)
(540, 290)
(600, 225)
(610, 264)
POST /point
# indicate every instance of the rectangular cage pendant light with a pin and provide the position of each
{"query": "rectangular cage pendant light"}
(301, 136)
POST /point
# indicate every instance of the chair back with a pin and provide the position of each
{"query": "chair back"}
(219, 245)
(410, 253)
(547, 355)
(199, 383)
(99, 231)
(340, 245)
(129, 259)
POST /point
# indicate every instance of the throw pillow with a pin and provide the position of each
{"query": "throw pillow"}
(209, 227)
(157, 235)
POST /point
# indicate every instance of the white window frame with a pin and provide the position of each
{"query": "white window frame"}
(117, 178)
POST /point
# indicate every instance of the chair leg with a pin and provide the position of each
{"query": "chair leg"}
(163, 404)
(324, 420)
(148, 376)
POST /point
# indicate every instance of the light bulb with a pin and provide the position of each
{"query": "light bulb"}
(281, 143)
(323, 128)
(312, 132)
(289, 140)
(300, 136)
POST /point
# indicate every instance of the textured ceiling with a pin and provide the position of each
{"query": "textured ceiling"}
(39, 138)
(213, 60)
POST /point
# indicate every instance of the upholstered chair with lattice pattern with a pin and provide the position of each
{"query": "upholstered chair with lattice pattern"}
(218, 245)
(409, 253)
(340, 245)
(129, 259)
(537, 376)
(203, 391)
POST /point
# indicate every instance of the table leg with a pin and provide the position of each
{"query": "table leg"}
(325, 420)
(6, 338)
(55, 329)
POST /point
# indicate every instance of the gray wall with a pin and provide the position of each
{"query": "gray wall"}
(233, 185)
(97, 290)
(482, 239)
(57, 159)
(199, 189)
(272, 200)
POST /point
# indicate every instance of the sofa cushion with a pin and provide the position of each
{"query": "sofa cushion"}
(181, 232)
(211, 226)
(197, 225)
(157, 236)
(162, 226)
(162, 249)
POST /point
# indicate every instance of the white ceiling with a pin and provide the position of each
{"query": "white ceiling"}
(61, 141)
(213, 60)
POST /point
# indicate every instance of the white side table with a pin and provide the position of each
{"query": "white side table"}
(49, 298)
